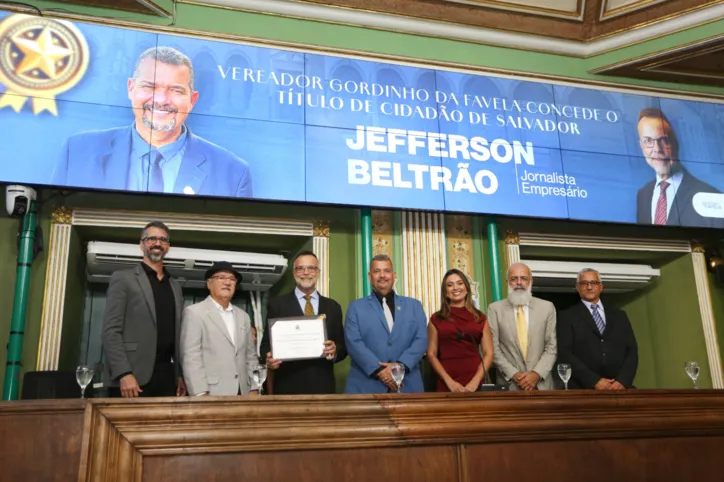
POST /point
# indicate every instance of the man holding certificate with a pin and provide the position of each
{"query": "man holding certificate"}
(382, 331)
(294, 318)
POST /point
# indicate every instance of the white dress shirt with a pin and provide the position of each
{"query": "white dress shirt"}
(526, 310)
(600, 309)
(674, 183)
(303, 302)
(228, 316)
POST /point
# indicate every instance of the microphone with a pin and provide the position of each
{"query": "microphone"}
(460, 336)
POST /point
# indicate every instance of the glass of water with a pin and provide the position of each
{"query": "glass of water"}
(564, 371)
(83, 375)
(259, 375)
(692, 369)
(398, 374)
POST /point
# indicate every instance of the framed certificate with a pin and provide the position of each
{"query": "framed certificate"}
(297, 337)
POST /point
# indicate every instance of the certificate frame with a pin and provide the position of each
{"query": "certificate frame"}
(320, 319)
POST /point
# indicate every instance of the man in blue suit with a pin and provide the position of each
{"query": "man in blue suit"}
(382, 329)
(158, 152)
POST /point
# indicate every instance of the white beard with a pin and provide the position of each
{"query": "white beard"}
(520, 297)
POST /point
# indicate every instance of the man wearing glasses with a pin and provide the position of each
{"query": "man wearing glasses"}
(305, 377)
(524, 334)
(597, 342)
(141, 324)
(668, 199)
(218, 353)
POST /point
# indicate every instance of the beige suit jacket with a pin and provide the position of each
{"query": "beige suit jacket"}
(211, 362)
(542, 344)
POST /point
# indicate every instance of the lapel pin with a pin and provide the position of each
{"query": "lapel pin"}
(189, 190)
(398, 308)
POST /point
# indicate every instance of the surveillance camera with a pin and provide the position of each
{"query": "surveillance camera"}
(18, 198)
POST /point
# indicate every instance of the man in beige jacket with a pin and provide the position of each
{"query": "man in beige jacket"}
(218, 353)
(524, 334)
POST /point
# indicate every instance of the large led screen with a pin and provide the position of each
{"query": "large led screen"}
(90, 106)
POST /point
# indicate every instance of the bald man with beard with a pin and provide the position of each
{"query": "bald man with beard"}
(524, 334)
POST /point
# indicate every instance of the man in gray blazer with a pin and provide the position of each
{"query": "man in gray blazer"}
(524, 334)
(141, 324)
(218, 353)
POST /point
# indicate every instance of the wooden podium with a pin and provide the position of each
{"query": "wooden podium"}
(535, 436)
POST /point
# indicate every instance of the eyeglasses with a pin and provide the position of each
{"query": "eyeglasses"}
(224, 278)
(650, 141)
(302, 269)
(515, 279)
(153, 239)
(586, 284)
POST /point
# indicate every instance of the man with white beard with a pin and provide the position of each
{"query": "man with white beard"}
(524, 334)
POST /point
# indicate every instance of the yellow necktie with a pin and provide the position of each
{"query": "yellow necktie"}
(522, 327)
(308, 308)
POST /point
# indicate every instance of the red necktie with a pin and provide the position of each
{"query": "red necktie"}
(660, 217)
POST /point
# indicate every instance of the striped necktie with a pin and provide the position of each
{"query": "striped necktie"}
(598, 318)
(661, 205)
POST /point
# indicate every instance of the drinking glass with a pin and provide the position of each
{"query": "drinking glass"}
(260, 377)
(398, 373)
(83, 375)
(564, 371)
(692, 369)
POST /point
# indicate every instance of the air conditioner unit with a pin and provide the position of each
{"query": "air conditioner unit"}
(560, 276)
(259, 272)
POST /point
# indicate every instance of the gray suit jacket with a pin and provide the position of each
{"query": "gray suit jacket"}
(542, 345)
(211, 362)
(129, 326)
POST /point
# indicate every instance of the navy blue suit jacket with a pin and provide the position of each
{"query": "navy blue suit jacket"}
(369, 342)
(101, 160)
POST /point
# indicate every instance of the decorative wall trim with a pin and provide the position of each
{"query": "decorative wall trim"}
(383, 233)
(423, 250)
(573, 14)
(707, 318)
(460, 250)
(64, 218)
(487, 36)
(609, 13)
(603, 242)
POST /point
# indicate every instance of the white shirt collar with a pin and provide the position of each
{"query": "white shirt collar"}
(674, 181)
(300, 294)
(221, 308)
(588, 304)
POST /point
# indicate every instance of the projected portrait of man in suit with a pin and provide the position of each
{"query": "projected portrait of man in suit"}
(158, 152)
(667, 199)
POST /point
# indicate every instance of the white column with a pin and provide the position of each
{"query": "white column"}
(51, 325)
(512, 248)
(320, 247)
(424, 257)
(707, 317)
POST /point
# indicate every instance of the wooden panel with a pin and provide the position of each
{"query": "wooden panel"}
(599, 460)
(40, 440)
(419, 464)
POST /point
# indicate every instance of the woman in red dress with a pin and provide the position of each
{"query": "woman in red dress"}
(454, 334)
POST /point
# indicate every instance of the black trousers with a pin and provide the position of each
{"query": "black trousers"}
(162, 383)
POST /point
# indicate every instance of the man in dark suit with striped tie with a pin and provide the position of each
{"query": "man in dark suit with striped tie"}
(597, 342)
(305, 377)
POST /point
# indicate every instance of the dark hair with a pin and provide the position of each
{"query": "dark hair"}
(654, 113)
(444, 311)
(381, 257)
(165, 55)
(304, 253)
(155, 224)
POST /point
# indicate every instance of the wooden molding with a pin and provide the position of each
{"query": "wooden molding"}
(119, 434)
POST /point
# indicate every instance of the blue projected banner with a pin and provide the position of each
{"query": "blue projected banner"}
(89, 106)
